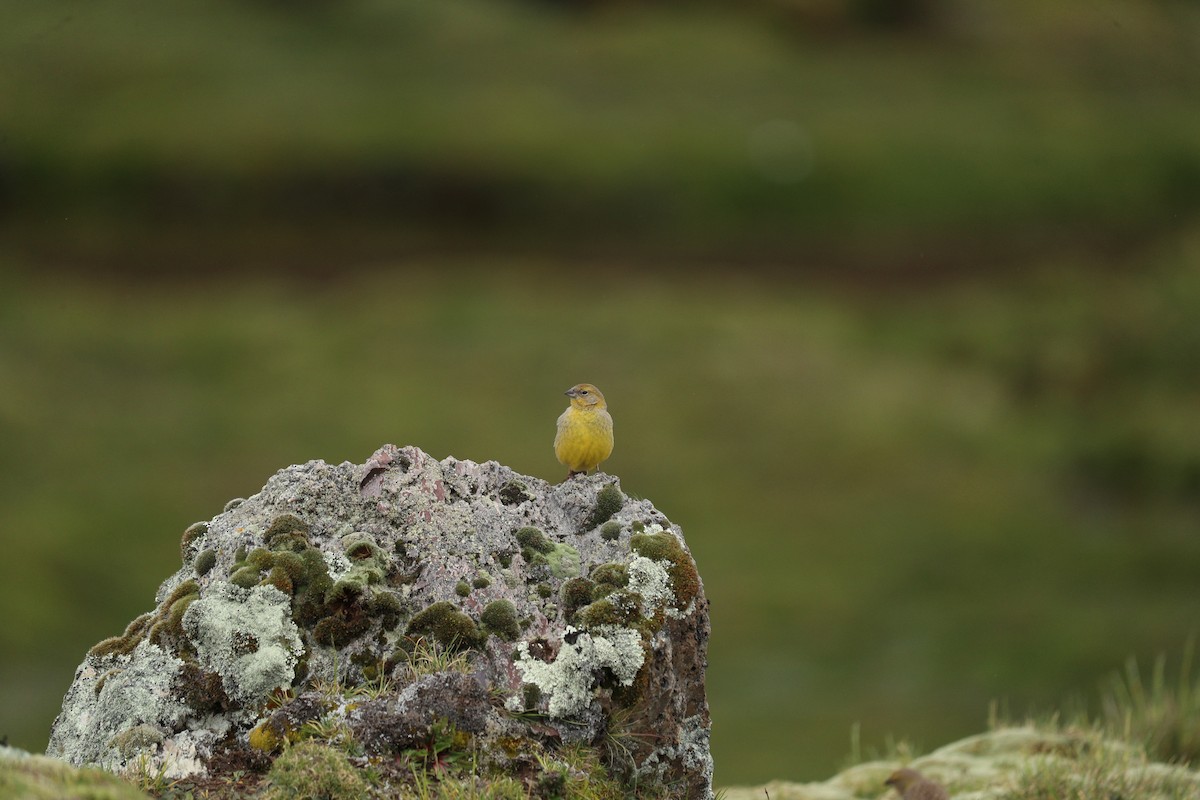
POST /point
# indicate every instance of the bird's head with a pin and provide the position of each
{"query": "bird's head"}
(901, 779)
(585, 396)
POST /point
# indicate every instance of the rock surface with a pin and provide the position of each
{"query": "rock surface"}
(335, 598)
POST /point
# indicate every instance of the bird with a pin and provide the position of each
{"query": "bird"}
(585, 431)
(912, 785)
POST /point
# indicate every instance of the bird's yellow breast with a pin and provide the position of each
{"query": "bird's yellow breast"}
(585, 438)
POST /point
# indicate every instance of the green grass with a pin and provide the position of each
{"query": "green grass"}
(683, 131)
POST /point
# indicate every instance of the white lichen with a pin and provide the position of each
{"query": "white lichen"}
(135, 690)
(651, 580)
(247, 637)
(569, 680)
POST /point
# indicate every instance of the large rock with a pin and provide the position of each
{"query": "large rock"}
(407, 599)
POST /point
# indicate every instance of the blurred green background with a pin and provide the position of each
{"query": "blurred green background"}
(895, 304)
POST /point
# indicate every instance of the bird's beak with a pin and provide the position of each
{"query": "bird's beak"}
(571, 393)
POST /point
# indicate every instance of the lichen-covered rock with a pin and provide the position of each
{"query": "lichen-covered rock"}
(405, 601)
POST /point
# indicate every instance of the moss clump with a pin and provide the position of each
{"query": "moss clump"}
(662, 546)
(234, 503)
(125, 643)
(462, 589)
(182, 590)
(610, 531)
(638, 526)
(287, 532)
(347, 589)
(205, 562)
(620, 608)
(563, 560)
(544, 590)
(292, 564)
(534, 545)
(341, 627)
(499, 617)
(446, 625)
(387, 608)
(609, 578)
(313, 769)
(131, 741)
(201, 690)
(575, 594)
(279, 578)
(309, 603)
(245, 577)
(360, 547)
(513, 493)
(190, 536)
(609, 501)
(481, 580)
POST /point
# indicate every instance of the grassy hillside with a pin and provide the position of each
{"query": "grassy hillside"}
(896, 317)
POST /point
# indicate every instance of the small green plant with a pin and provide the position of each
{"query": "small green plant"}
(151, 781)
(1161, 715)
(428, 657)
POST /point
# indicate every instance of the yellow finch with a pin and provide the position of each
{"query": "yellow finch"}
(585, 431)
(912, 785)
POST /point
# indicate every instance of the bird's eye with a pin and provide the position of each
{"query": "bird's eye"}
(583, 391)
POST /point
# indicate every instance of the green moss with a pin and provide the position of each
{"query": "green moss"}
(114, 645)
(361, 548)
(462, 589)
(610, 531)
(279, 578)
(341, 628)
(246, 577)
(200, 689)
(260, 559)
(287, 531)
(505, 559)
(685, 580)
(532, 695)
(313, 769)
(182, 590)
(448, 626)
(575, 594)
(346, 589)
(309, 604)
(638, 526)
(191, 535)
(533, 540)
(205, 562)
(499, 617)
(387, 608)
(544, 590)
(176, 612)
(608, 578)
(292, 564)
(514, 492)
(234, 503)
(563, 560)
(620, 608)
(609, 501)
(482, 580)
